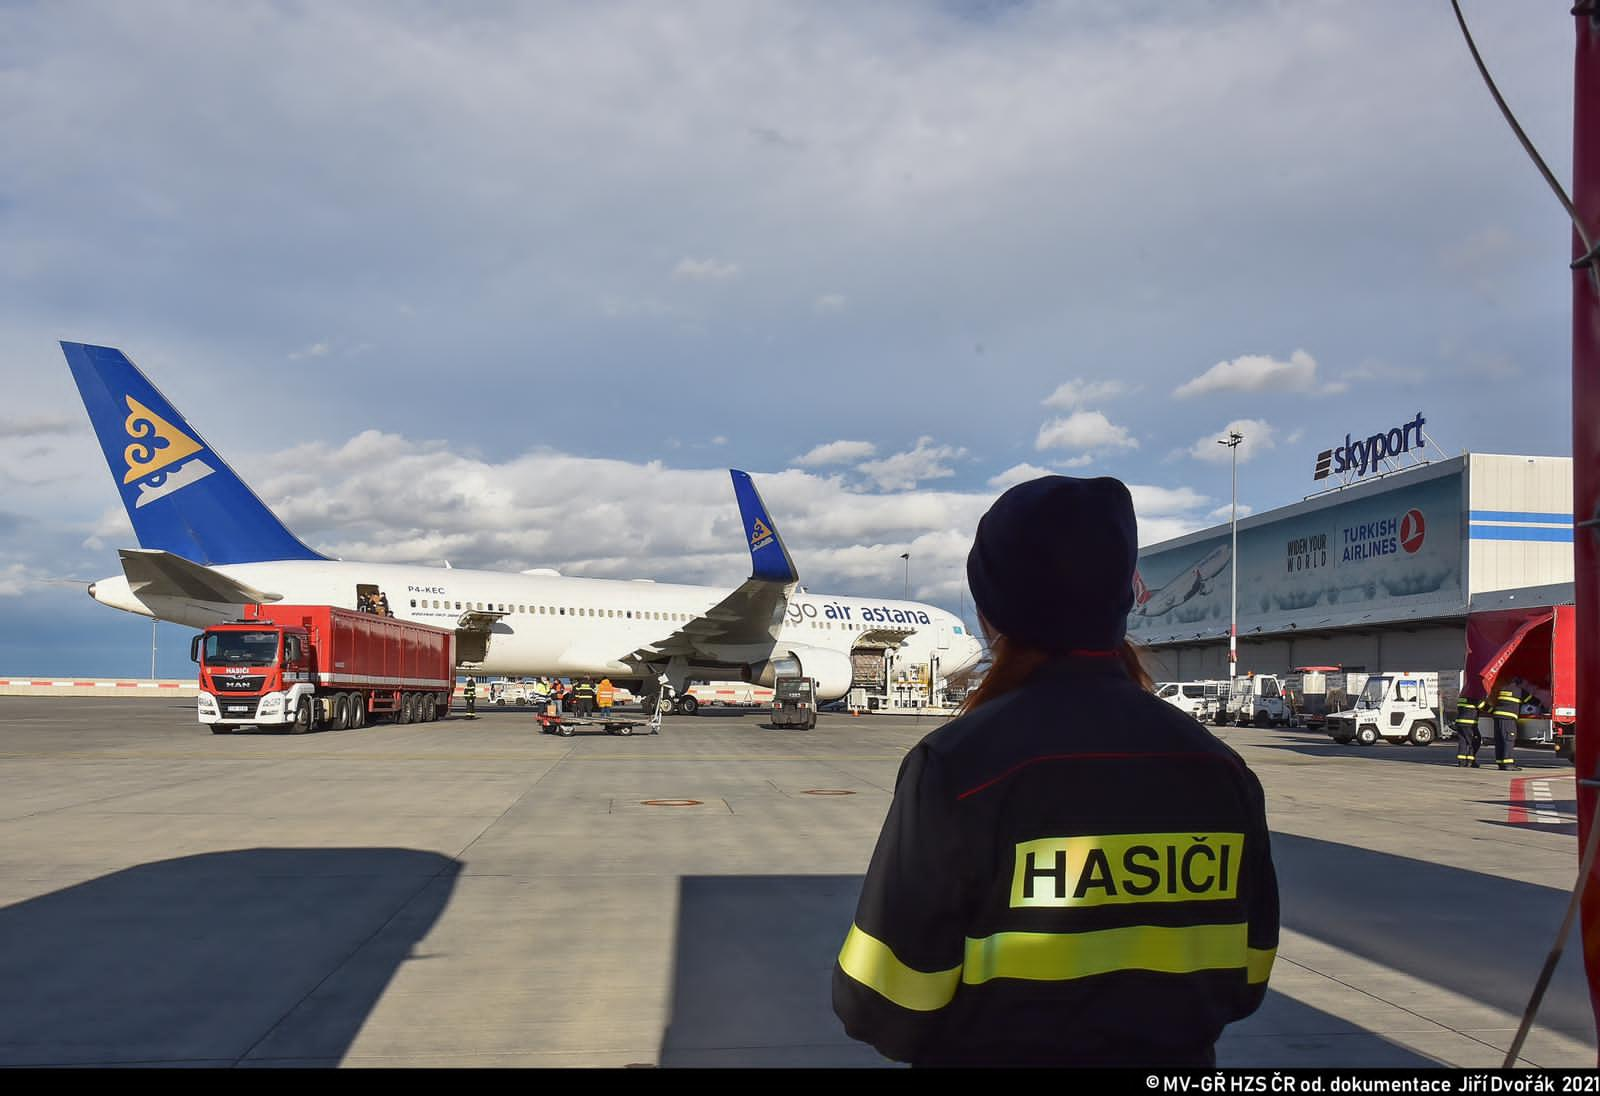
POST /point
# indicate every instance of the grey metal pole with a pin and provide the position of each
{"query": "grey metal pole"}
(1232, 442)
(153, 623)
(907, 558)
(1233, 566)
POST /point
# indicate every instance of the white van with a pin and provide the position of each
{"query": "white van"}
(1197, 699)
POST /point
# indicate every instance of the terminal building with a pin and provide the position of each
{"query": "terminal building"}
(1378, 575)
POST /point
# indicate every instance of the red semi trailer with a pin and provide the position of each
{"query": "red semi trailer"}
(306, 666)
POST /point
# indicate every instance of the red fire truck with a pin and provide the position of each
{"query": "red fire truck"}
(317, 666)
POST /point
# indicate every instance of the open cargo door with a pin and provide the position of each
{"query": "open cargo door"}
(1507, 642)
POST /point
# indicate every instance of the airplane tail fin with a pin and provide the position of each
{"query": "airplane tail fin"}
(1141, 592)
(180, 495)
(769, 559)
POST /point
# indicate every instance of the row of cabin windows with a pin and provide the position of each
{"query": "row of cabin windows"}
(627, 614)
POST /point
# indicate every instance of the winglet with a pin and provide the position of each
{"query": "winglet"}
(181, 497)
(769, 559)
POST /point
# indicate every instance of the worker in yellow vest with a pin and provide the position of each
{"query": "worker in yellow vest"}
(605, 693)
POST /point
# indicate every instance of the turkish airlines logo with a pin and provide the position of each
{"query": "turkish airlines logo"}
(1412, 529)
(154, 447)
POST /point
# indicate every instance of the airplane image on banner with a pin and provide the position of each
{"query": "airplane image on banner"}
(208, 546)
(1190, 583)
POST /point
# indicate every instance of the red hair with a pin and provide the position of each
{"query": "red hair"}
(1013, 663)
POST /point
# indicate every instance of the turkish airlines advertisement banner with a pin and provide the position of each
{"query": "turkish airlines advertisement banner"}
(1392, 556)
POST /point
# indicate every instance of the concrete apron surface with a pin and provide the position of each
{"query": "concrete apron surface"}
(471, 892)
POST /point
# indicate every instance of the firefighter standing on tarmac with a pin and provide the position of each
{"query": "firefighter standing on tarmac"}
(1468, 740)
(470, 695)
(1508, 702)
(1084, 883)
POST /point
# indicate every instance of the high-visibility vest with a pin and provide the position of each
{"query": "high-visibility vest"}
(1467, 713)
(1507, 705)
(605, 692)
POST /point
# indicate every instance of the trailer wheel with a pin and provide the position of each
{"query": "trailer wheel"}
(690, 705)
(1423, 734)
(402, 711)
(302, 717)
(564, 730)
(624, 730)
(1367, 735)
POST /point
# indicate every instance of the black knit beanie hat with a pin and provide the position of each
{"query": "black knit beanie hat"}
(1052, 564)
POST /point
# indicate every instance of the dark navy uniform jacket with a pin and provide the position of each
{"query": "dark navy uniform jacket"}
(1074, 873)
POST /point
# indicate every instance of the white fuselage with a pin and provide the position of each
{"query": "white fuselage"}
(559, 626)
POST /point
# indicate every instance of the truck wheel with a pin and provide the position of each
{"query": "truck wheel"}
(430, 709)
(690, 705)
(1342, 739)
(1367, 735)
(1423, 734)
(302, 717)
(402, 711)
(358, 709)
(341, 712)
(221, 728)
(1263, 720)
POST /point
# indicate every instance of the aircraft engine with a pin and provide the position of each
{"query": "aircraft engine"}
(831, 670)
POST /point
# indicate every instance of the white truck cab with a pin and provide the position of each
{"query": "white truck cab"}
(1253, 698)
(1401, 706)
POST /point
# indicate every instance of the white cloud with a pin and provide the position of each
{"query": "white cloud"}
(1018, 473)
(315, 350)
(1084, 430)
(705, 270)
(830, 303)
(1258, 436)
(14, 579)
(836, 452)
(1166, 501)
(1077, 392)
(1077, 462)
(720, 439)
(1259, 373)
(903, 471)
(1225, 513)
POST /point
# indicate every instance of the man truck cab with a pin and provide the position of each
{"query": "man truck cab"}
(1400, 707)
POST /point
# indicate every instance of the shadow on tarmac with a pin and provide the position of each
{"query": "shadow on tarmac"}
(261, 954)
(752, 985)
(1482, 936)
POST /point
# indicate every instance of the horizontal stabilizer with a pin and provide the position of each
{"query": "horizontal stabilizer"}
(153, 573)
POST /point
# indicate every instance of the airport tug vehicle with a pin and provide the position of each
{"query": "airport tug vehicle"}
(1400, 707)
(794, 702)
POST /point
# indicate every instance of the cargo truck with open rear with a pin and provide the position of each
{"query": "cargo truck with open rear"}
(318, 666)
(1539, 645)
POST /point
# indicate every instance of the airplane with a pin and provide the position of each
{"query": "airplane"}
(208, 546)
(1190, 583)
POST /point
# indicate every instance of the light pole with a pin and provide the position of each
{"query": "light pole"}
(1232, 442)
(907, 557)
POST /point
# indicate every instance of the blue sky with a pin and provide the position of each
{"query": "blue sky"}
(513, 285)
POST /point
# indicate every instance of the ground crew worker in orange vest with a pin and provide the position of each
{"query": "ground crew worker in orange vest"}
(605, 693)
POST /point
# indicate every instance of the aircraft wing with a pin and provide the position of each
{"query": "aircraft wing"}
(753, 612)
(154, 573)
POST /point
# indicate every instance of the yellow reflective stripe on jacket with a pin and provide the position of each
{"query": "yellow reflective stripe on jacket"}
(1258, 964)
(1060, 956)
(871, 962)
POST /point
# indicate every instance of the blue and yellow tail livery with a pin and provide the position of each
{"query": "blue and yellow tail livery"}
(180, 495)
(769, 559)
